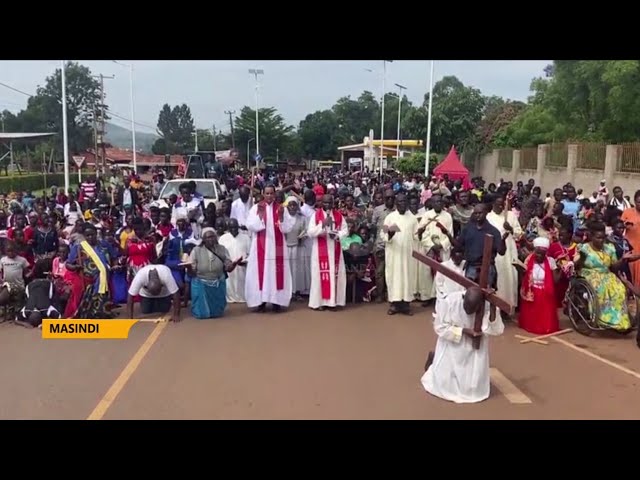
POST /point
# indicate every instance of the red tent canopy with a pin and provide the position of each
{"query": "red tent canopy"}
(453, 167)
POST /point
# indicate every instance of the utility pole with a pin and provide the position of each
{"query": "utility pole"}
(214, 139)
(95, 136)
(233, 137)
(102, 126)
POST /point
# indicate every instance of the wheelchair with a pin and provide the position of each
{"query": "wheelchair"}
(583, 309)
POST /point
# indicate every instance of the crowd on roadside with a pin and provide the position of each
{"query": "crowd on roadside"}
(325, 237)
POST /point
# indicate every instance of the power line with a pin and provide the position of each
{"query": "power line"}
(15, 89)
(122, 117)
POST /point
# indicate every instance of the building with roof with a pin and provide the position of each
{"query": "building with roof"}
(123, 158)
(367, 154)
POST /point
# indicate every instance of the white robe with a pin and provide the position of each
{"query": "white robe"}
(269, 293)
(420, 287)
(400, 266)
(459, 373)
(238, 247)
(507, 273)
(431, 235)
(446, 286)
(304, 252)
(339, 288)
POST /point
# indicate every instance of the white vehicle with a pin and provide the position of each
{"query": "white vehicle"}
(209, 188)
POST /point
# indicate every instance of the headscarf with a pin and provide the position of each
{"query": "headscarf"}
(541, 242)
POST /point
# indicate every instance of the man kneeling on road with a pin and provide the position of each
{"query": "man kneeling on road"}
(457, 371)
(157, 288)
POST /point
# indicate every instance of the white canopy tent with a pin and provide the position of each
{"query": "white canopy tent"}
(7, 139)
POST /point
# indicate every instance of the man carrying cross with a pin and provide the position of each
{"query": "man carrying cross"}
(460, 373)
(459, 369)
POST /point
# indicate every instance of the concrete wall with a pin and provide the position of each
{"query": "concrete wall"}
(550, 177)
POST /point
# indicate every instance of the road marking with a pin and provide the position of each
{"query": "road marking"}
(597, 357)
(113, 392)
(508, 389)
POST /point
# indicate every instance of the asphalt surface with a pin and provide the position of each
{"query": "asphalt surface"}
(358, 363)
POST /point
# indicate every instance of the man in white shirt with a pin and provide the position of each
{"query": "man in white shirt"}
(240, 208)
(158, 289)
(618, 200)
(603, 191)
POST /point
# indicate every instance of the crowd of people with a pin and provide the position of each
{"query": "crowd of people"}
(323, 237)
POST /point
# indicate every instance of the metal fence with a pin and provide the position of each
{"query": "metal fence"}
(629, 158)
(505, 158)
(591, 155)
(558, 155)
(529, 158)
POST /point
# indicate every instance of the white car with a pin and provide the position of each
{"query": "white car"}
(209, 188)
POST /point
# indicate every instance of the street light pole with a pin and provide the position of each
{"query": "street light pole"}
(255, 73)
(133, 114)
(428, 152)
(400, 88)
(248, 156)
(133, 119)
(65, 134)
(384, 87)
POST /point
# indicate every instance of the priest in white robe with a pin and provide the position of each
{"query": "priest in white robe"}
(421, 269)
(434, 231)
(238, 246)
(241, 207)
(510, 230)
(457, 372)
(308, 209)
(398, 232)
(268, 273)
(328, 273)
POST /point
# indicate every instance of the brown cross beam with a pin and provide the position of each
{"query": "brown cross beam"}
(493, 299)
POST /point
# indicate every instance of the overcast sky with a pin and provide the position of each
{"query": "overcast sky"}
(295, 88)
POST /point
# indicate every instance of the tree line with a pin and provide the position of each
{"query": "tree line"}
(572, 100)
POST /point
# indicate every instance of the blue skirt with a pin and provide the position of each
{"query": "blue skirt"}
(208, 298)
(119, 288)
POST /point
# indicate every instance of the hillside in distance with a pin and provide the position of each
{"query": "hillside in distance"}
(120, 137)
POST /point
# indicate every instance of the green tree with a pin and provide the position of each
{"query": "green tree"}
(497, 116)
(457, 111)
(414, 163)
(9, 122)
(276, 137)
(176, 127)
(320, 134)
(356, 117)
(43, 112)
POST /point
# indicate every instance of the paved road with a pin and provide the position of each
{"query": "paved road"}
(355, 364)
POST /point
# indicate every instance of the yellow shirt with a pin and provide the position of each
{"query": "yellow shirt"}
(124, 236)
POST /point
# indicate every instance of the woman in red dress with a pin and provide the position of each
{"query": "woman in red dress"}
(140, 249)
(564, 252)
(538, 312)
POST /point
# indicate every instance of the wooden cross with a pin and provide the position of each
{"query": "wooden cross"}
(493, 299)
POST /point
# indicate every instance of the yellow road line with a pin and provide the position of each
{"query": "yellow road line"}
(113, 392)
(508, 389)
(596, 357)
